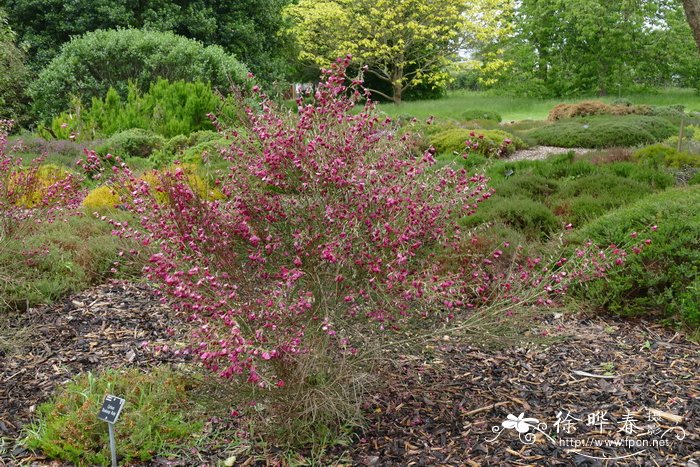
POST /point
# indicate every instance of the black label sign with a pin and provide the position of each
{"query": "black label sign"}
(111, 408)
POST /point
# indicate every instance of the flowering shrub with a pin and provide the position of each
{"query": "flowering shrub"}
(327, 220)
(36, 192)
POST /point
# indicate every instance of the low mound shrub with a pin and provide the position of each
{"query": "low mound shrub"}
(532, 218)
(663, 278)
(489, 143)
(602, 132)
(478, 114)
(581, 200)
(589, 108)
(660, 155)
(101, 197)
(67, 428)
(527, 185)
(132, 143)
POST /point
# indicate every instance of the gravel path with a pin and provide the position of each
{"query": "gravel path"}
(538, 153)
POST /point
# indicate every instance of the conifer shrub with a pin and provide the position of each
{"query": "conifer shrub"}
(132, 143)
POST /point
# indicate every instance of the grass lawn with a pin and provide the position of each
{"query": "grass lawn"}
(522, 108)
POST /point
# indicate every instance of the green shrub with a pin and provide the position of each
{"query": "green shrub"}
(650, 176)
(80, 252)
(156, 417)
(581, 200)
(89, 65)
(695, 179)
(659, 155)
(15, 75)
(453, 140)
(168, 109)
(132, 143)
(478, 114)
(527, 185)
(664, 276)
(601, 132)
(530, 217)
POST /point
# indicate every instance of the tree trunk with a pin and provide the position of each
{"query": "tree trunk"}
(692, 13)
(397, 83)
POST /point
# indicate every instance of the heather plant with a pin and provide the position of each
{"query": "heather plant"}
(329, 225)
(29, 195)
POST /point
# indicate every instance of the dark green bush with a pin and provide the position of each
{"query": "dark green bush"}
(478, 114)
(132, 143)
(453, 140)
(530, 217)
(664, 277)
(600, 132)
(15, 75)
(90, 64)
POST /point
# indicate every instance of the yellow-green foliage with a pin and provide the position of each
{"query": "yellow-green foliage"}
(157, 417)
(101, 197)
(453, 140)
(196, 183)
(659, 155)
(34, 186)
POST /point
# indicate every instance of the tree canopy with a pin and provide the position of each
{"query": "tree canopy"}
(246, 28)
(402, 43)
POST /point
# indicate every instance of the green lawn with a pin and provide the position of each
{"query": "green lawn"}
(521, 108)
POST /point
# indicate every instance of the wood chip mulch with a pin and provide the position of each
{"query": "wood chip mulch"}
(439, 406)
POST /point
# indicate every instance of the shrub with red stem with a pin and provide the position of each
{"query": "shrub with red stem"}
(328, 218)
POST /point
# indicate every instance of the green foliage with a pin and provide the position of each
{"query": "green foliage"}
(156, 417)
(375, 34)
(248, 29)
(477, 114)
(659, 155)
(453, 140)
(79, 252)
(15, 75)
(664, 276)
(581, 200)
(592, 47)
(530, 217)
(168, 109)
(601, 132)
(128, 55)
(132, 143)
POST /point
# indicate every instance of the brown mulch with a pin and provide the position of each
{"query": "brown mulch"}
(439, 405)
(441, 408)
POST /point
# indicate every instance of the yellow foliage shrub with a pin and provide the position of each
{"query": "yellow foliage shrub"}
(36, 185)
(197, 184)
(100, 197)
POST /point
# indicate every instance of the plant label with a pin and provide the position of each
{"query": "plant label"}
(111, 408)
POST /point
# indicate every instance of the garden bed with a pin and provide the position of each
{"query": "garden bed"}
(439, 402)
